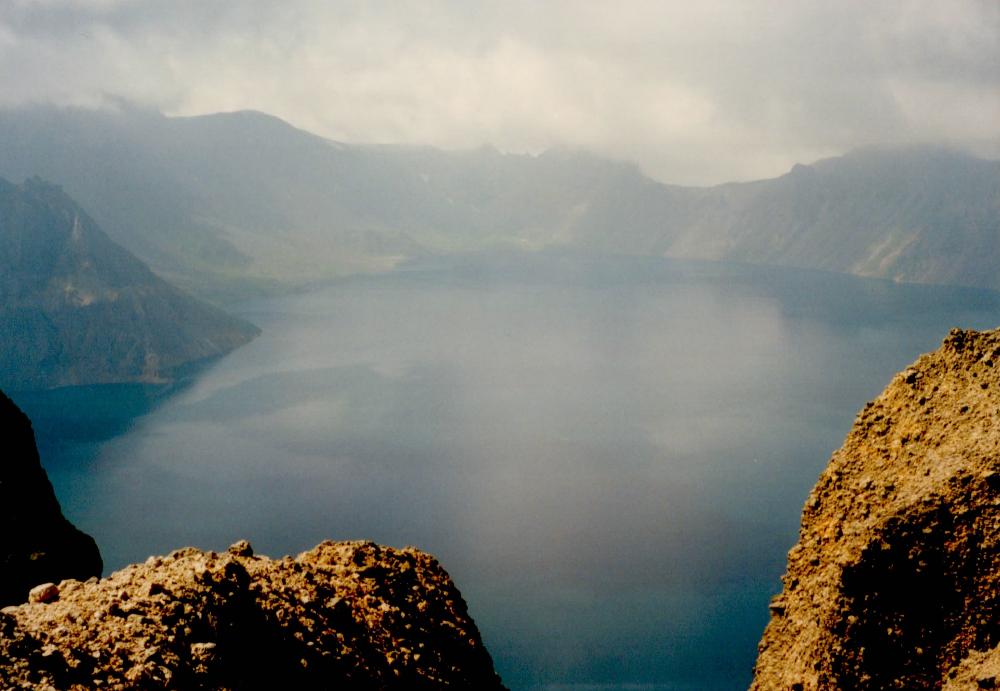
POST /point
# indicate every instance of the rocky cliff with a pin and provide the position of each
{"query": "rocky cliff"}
(895, 580)
(343, 615)
(37, 543)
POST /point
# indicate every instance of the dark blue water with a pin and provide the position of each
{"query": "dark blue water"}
(609, 455)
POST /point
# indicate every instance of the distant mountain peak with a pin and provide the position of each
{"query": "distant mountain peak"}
(76, 308)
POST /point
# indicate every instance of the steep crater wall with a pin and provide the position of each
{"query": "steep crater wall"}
(37, 543)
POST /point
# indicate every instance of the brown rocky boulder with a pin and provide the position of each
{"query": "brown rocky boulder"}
(37, 543)
(348, 615)
(895, 580)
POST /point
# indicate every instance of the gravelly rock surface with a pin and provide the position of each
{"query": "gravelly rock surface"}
(343, 615)
(895, 580)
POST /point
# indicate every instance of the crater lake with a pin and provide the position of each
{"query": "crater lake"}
(608, 454)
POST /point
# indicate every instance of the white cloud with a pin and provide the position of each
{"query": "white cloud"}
(695, 92)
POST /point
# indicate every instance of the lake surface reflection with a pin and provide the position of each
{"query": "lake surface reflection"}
(608, 455)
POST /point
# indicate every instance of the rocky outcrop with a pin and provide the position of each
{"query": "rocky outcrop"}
(37, 543)
(343, 615)
(895, 580)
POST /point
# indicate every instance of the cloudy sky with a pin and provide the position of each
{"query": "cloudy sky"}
(695, 92)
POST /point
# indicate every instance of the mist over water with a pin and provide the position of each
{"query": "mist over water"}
(608, 455)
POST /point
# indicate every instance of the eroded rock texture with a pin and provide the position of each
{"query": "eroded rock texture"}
(349, 615)
(895, 580)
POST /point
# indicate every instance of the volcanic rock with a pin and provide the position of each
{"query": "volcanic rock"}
(895, 580)
(344, 615)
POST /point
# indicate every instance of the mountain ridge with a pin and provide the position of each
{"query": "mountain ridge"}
(230, 204)
(76, 308)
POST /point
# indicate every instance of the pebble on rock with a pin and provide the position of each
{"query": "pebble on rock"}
(241, 549)
(44, 593)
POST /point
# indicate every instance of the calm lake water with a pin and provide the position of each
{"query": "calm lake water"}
(608, 455)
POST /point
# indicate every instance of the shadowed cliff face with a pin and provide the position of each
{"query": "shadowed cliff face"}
(895, 581)
(343, 615)
(37, 543)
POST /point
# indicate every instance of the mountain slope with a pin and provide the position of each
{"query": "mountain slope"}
(241, 201)
(229, 203)
(895, 580)
(37, 544)
(76, 308)
(915, 214)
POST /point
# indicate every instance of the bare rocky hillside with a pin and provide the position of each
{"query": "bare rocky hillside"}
(895, 581)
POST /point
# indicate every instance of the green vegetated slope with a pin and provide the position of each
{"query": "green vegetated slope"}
(231, 203)
(77, 308)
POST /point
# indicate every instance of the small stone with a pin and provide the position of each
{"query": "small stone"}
(992, 479)
(44, 593)
(241, 549)
(202, 649)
